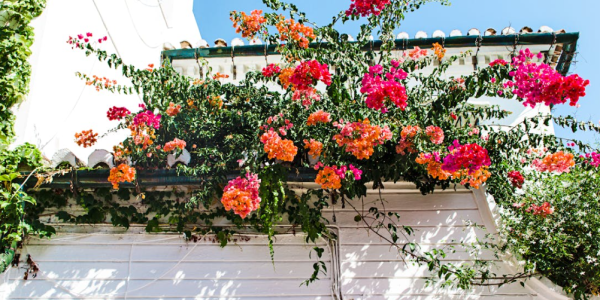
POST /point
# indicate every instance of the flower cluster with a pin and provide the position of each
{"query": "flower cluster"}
(273, 120)
(558, 162)
(120, 174)
(142, 135)
(284, 78)
(215, 101)
(417, 53)
(434, 165)
(330, 177)
(289, 29)
(100, 82)
(220, 76)
(361, 137)
(540, 83)
(435, 134)
(308, 73)
(435, 169)
(271, 70)
(86, 138)
(498, 62)
(147, 118)
(315, 147)
(406, 143)
(278, 148)
(248, 25)
(173, 109)
(318, 116)
(592, 158)
(469, 157)
(379, 90)
(306, 96)
(117, 113)
(475, 178)
(365, 8)
(439, 51)
(516, 179)
(241, 195)
(119, 152)
(174, 144)
(84, 39)
(542, 210)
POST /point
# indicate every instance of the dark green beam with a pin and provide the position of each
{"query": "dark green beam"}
(145, 178)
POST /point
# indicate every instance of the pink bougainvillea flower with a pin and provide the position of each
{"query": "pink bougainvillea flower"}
(117, 113)
(380, 89)
(365, 8)
(540, 83)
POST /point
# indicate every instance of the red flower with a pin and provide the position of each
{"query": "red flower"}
(516, 179)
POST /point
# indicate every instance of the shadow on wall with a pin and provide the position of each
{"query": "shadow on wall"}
(112, 266)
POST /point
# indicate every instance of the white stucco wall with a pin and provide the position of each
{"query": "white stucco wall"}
(59, 104)
(104, 262)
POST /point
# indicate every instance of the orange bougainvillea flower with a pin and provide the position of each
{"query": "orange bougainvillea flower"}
(284, 77)
(318, 117)
(100, 82)
(289, 29)
(559, 162)
(242, 195)
(474, 179)
(361, 137)
(174, 144)
(406, 143)
(248, 25)
(219, 76)
(121, 173)
(86, 138)
(434, 165)
(173, 109)
(278, 148)
(328, 179)
(315, 147)
(215, 101)
(439, 51)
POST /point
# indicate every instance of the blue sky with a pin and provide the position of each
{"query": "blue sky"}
(574, 16)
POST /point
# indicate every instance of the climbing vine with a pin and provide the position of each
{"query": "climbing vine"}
(344, 116)
(16, 38)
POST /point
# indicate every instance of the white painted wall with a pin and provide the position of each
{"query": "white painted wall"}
(103, 262)
(59, 104)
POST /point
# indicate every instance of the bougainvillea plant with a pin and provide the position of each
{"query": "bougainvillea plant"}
(361, 123)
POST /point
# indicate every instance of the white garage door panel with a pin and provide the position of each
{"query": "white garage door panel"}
(387, 253)
(146, 266)
(172, 288)
(416, 201)
(414, 217)
(189, 252)
(384, 269)
(444, 297)
(372, 269)
(417, 286)
(431, 235)
(149, 270)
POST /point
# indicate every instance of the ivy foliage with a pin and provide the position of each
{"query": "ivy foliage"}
(16, 38)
